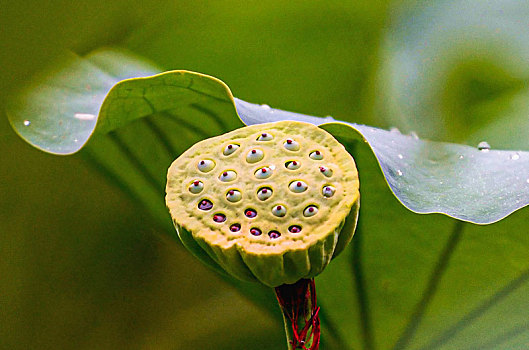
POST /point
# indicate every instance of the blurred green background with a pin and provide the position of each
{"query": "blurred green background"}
(81, 265)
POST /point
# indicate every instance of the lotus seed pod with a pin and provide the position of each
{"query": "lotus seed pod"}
(257, 218)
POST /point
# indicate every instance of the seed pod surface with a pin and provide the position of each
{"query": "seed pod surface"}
(257, 219)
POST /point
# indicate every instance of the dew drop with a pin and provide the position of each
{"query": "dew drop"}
(414, 135)
(265, 106)
(461, 156)
(400, 156)
(27, 123)
(274, 234)
(515, 156)
(394, 130)
(254, 156)
(483, 146)
(84, 116)
(399, 173)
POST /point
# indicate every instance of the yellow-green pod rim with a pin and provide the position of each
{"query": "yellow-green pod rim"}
(291, 235)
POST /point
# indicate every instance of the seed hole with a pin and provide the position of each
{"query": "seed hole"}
(291, 145)
(250, 213)
(230, 149)
(227, 176)
(263, 173)
(219, 218)
(292, 165)
(294, 229)
(254, 156)
(279, 210)
(196, 187)
(316, 155)
(205, 204)
(265, 137)
(233, 196)
(205, 165)
(235, 227)
(328, 191)
(264, 193)
(311, 210)
(326, 171)
(298, 186)
(274, 234)
(255, 231)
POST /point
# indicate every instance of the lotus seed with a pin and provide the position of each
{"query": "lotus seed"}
(233, 196)
(274, 234)
(229, 149)
(292, 165)
(264, 193)
(206, 165)
(265, 137)
(255, 231)
(279, 210)
(311, 210)
(219, 218)
(235, 227)
(328, 191)
(298, 186)
(316, 155)
(326, 171)
(254, 156)
(263, 173)
(228, 176)
(291, 145)
(294, 229)
(205, 204)
(250, 213)
(196, 187)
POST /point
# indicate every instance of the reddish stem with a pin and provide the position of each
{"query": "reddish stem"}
(301, 314)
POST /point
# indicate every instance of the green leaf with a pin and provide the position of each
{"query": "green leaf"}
(409, 281)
